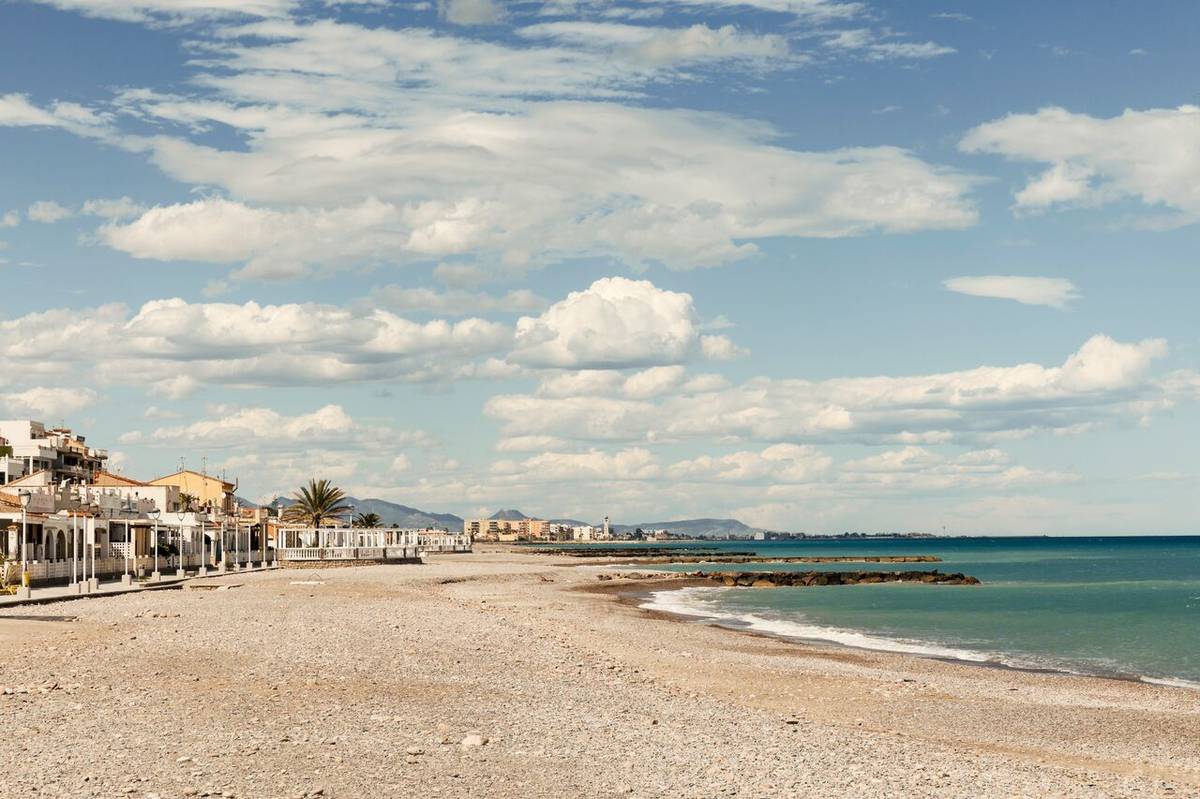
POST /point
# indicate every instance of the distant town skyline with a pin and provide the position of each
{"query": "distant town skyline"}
(813, 265)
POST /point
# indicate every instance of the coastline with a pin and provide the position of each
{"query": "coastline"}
(643, 594)
(372, 680)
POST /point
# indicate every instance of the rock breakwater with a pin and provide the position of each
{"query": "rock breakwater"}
(812, 578)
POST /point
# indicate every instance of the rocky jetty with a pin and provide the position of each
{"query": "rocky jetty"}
(805, 579)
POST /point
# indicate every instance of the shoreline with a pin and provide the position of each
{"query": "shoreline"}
(637, 592)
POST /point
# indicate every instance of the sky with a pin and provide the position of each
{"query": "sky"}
(818, 265)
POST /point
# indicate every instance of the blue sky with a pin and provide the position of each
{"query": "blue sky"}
(818, 265)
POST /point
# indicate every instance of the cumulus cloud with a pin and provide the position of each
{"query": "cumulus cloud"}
(780, 463)
(1152, 156)
(48, 212)
(10, 219)
(1103, 380)
(175, 346)
(261, 428)
(46, 403)
(1056, 292)
(616, 323)
(919, 469)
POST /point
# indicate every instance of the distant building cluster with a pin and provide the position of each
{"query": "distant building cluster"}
(512, 530)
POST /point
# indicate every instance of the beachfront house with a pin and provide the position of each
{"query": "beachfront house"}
(205, 490)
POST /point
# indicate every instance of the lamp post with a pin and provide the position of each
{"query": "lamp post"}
(154, 514)
(25, 497)
(74, 548)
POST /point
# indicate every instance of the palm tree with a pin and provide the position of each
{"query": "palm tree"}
(316, 502)
(186, 501)
(368, 520)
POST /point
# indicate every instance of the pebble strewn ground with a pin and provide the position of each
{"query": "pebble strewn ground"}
(488, 675)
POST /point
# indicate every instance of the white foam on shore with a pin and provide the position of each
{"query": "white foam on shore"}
(693, 602)
(1173, 682)
(702, 603)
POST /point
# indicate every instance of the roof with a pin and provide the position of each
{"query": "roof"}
(165, 478)
(109, 479)
(9, 499)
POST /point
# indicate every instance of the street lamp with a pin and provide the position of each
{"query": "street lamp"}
(25, 497)
(154, 514)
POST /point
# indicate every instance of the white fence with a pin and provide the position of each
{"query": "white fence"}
(346, 543)
(434, 543)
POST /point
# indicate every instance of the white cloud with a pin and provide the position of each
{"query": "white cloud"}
(1152, 156)
(257, 429)
(919, 469)
(176, 347)
(1103, 380)
(617, 323)
(656, 45)
(627, 464)
(868, 43)
(810, 10)
(1056, 292)
(531, 187)
(46, 403)
(653, 382)
(17, 111)
(48, 212)
(173, 10)
(500, 156)
(10, 219)
(720, 348)
(780, 463)
(471, 12)
(119, 208)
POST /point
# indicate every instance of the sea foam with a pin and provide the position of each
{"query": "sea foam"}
(697, 603)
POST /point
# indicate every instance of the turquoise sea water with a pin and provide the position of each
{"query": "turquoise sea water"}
(1127, 607)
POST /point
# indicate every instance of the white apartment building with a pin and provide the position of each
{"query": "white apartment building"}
(58, 451)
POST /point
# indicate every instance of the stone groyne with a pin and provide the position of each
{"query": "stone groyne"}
(811, 578)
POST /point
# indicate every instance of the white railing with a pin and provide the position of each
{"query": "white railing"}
(349, 553)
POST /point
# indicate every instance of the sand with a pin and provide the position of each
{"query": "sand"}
(498, 674)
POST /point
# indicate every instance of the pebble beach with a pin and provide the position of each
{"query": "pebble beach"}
(500, 674)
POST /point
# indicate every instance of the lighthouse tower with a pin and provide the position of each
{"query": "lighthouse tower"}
(607, 535)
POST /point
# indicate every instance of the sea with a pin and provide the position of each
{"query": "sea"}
(1126, 607)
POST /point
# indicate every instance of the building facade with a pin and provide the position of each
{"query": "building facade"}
(205, 490)
(62, 454)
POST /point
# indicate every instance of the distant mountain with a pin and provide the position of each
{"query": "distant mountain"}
(708, 528)
(573, 523)
(242, 502)
(510, 515)
(392, 514)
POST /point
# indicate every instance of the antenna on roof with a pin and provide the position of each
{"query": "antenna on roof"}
(181, 464)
